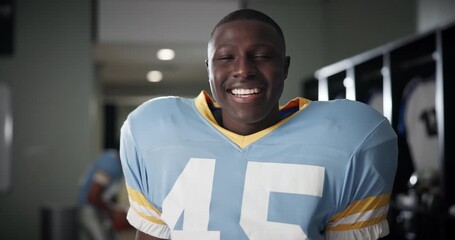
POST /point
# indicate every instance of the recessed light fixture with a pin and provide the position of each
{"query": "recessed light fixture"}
(165, 54)
(154, 76)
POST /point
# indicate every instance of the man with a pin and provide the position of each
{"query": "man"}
(100, 216)
(243, 167)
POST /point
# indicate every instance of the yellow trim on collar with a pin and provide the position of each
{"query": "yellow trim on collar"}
(202, 104)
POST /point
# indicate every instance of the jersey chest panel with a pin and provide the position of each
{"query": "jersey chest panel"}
(265, 170)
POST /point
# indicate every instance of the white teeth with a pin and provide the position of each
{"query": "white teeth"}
(245, 91)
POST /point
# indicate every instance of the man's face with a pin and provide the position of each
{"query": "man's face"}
(247, 68)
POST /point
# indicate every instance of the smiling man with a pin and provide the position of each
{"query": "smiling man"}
(247, 67)
(239, 166)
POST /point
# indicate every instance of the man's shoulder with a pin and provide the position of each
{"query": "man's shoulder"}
(347, 115)
(160, 102)
(160, 106)
(349, 108)
(160, 114)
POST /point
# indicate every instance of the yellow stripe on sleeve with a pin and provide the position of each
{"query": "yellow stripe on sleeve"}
(139, 201)
(149, 218)
(357, 225)
(362, 213)
(364, 205)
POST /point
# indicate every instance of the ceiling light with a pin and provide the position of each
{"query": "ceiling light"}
(165, 54)
(154, 76)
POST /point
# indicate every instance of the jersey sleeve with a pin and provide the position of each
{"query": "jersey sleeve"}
(142, 213)
(364, 205)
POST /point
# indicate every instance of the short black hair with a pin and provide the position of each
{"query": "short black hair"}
(249, 14)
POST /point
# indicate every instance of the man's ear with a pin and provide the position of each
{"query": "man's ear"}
(206, 63)
(287, 63)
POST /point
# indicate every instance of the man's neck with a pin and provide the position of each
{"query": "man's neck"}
(243, 128)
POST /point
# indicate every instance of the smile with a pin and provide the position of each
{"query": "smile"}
(245, 92)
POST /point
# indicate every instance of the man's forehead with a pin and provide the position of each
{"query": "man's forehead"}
(242, 24)
(235, 30)
(239, 28)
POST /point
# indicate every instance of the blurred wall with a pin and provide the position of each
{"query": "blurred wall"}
(54, 107)
(355, 26)
(302, 25)
(319, 33)
(434, 13)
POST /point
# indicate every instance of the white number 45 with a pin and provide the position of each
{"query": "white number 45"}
(195, 186)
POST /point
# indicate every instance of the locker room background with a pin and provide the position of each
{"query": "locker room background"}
(408, 81)
(58, 101)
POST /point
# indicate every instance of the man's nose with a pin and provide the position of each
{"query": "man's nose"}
(245, 67)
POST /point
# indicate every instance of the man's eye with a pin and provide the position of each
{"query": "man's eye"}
(225, 57)
(261, 57)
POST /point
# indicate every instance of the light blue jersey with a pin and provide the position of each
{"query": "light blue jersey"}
(324, 172)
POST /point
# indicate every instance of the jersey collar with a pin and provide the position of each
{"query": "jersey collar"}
(203, 101)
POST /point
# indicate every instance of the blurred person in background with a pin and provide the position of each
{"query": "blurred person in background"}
(101, 216)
